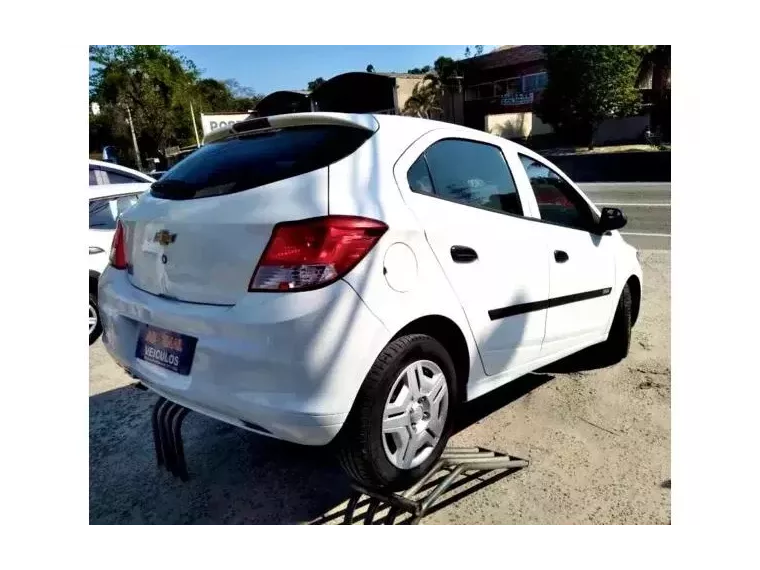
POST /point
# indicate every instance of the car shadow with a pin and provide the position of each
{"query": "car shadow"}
(586, 360)
(236, 476)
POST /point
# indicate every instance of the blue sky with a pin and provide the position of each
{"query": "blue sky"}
(270, 68)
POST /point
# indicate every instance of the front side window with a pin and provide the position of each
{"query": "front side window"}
(557, 201)
(471, 173)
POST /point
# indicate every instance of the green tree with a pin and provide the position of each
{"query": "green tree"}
(243, 98)
(315, 83)
(214, 95)
(419, 70)
(155, 84)
(370, 68)
(587, 85)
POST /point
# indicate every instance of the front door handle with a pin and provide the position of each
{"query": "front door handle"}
(560, 256)
(463, 254)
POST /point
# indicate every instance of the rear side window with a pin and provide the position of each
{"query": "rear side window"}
(246, 162)
(120, 178)
(105, 211)
(472, 173)
(419, 177)
(98, 177)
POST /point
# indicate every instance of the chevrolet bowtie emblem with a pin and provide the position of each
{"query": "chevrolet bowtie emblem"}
(164, 237)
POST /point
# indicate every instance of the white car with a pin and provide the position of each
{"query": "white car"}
(107, 203)
(322, 276)
(106, 173)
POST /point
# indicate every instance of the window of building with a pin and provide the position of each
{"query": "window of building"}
(512, 86)
(535, 82)
(485, 91)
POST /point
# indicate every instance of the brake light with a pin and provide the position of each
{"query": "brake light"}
(312, 253)
(118, 256)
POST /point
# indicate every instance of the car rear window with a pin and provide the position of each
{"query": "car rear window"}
(249, 161)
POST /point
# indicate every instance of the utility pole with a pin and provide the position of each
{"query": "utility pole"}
(195, 127)
(134, 139)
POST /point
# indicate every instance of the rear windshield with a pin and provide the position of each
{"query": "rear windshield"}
(249, 161)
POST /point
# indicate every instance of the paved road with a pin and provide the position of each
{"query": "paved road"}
(647, 206)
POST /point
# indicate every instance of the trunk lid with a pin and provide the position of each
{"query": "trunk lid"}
(199, 234)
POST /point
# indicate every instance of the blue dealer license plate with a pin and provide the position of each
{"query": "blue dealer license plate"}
(167, 349)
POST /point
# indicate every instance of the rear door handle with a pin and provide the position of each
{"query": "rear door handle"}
(560, 256)
(463, 254)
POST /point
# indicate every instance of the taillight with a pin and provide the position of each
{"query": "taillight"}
(313, 253)
(118, 257)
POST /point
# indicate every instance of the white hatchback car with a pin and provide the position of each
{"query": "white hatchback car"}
(320, 276)
(107, 203)
(108, 173)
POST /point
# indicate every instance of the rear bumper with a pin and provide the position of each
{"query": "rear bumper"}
(287, 365)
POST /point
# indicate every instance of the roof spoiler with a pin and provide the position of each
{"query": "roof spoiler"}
(367, 122)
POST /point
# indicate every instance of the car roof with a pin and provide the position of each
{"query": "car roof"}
(417, 127)
(108, 190)
(119, 168)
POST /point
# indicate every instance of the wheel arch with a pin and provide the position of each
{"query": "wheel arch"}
(450, 335)
(94, 276)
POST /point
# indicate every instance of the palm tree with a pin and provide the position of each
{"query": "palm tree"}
(423, 101)
(428, 95)
(654, 69)
(654, 73)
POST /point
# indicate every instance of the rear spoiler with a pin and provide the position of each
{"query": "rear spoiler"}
(367, 122)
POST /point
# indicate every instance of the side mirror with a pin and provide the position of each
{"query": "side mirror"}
(611, 219)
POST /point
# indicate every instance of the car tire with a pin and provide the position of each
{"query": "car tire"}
(372, 456)
(618, 343)
(94, 313)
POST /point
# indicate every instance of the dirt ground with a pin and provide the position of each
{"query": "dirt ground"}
(598, 443)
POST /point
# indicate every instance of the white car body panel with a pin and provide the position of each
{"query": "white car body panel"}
(139, 176)
(258, 362)
(502, 242)
(289, 364)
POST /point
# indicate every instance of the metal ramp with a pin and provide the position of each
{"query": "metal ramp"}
(425, 496)
(383, 507)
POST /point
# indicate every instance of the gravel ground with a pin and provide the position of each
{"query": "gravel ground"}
(598, 442)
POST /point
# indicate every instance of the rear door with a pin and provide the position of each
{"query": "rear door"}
(464, 194)
(199, 234)
(582, 273)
